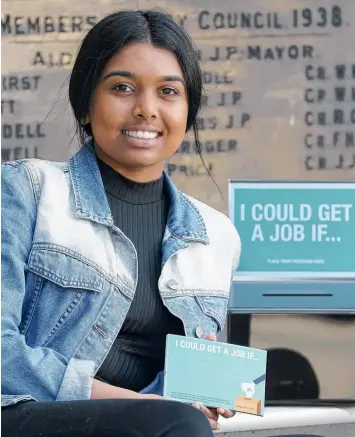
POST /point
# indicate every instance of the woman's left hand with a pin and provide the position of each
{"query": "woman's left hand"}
(213, 413)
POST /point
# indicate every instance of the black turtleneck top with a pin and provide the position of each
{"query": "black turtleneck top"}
(140, 210)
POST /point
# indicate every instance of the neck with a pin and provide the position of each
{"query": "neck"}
(136, 174)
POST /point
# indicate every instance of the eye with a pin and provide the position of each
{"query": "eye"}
(122, 88)
(168, 91)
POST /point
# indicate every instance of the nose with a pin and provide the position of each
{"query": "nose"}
(145, 107)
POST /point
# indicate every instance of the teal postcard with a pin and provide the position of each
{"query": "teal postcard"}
(215, 374)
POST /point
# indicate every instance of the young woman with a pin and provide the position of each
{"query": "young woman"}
(103, 256)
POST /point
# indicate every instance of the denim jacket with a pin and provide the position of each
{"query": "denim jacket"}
(69, 275)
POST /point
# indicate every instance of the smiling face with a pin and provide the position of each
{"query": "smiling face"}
(138, 111)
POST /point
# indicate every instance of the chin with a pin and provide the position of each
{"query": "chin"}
(146, 165)
(141, 159)
(141, 163)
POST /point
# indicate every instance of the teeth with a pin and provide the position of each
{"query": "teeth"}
(140, 134)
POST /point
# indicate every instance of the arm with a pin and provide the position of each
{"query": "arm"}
(101, 390)
(40, 372)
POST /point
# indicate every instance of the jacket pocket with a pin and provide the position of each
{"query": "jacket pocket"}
(65, 267)
(64, 285)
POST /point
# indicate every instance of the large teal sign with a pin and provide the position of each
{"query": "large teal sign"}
(300, 234)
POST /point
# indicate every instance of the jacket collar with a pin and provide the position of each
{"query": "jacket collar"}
(184, 221)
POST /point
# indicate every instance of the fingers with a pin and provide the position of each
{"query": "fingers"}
(227, 414)
(214, 424)
(211, 415)
(211, 336)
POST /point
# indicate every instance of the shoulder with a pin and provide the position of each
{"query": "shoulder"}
(27, 179)
(15, 173)
(36, 170)
(219, 227)
(36, 164)
(39, 166)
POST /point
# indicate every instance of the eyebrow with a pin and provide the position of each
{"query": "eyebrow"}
(123, 73)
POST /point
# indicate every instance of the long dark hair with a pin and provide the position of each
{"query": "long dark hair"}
(110, 35)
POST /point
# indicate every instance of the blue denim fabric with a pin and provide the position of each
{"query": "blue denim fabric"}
(69, 275)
